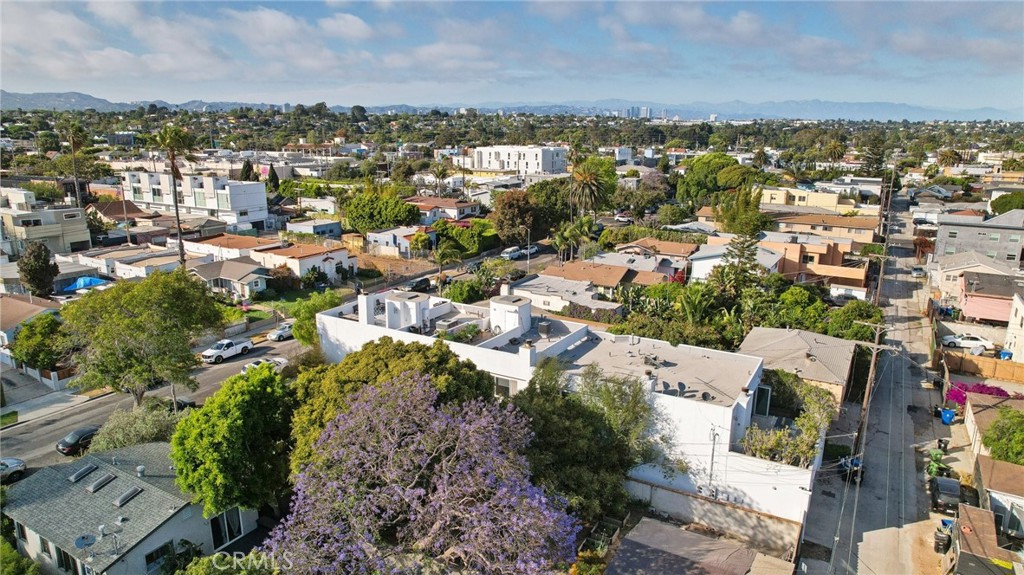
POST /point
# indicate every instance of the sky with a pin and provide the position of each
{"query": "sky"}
(947, 55)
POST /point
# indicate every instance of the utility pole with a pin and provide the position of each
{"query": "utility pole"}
(859, 440)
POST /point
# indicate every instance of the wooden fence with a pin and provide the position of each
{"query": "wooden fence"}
(987, 367)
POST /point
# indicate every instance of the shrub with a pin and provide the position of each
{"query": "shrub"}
(835, 451)
(368, 273)
(958, 391)
(266, 295)
(579, 311)
(465, 291)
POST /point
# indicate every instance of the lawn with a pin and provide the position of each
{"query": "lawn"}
(8, 418)
(285, 301)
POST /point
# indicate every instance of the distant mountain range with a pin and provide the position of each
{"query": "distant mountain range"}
(735, 110)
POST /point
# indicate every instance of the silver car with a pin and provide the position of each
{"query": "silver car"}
(281, 332)
(11, 469)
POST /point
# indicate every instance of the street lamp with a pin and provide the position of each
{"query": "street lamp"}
(527, 248)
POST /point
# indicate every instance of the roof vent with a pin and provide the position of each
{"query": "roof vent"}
(78, 475)
(705, 396)
(128, 495)
(99, 483)
(140, 471)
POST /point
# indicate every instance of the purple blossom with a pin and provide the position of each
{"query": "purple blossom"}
(958, 391)
(397, 479)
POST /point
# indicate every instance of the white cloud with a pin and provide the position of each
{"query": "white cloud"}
(346, 26)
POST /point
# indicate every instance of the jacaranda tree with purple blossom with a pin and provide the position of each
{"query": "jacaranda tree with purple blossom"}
(399, 482)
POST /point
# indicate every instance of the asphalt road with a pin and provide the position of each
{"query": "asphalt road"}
(35, 441)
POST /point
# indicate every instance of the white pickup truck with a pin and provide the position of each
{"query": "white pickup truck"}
(226, 348)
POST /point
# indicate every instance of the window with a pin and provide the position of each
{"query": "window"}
(226, 527)
(243, 213)
(30, 223)
(813, 227)
(950, 251)
(155, 558)
(65, 562)
(44, 546)
(19, 532)
(1014, 239)
(807, 259)
(801, 198)
(952, 234)
(70, 216)
(991, 253)
(1011, 257)
(826, 228)
(993, 237)
(502, 386)
(949, 277)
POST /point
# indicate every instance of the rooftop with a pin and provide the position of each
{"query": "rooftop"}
(717, 377)
(427, 202)
(810, 355)
(597, 274)
(985, 408)
(1001, 476)
(231, 241)
(766, 257)
(42, 501)
(578, 292)
(854, 222)
(238, 269)
(992, 285)
(15, 309)
(635, 262)
(299, 251)
(976, 531)
(969, 259)
(664, 248)
(316, 222)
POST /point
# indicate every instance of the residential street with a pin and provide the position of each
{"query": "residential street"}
(34, 441)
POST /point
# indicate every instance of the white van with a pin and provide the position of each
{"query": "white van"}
(512, 253)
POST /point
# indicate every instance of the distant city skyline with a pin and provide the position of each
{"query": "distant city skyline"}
(942, 55)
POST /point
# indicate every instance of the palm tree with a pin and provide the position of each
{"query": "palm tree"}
(586, 189)
(834, 151)
(440, 171)
(949, 157)
(560, 242)
(445, 253)
(176, 142)
(760, 159)
(76, 137)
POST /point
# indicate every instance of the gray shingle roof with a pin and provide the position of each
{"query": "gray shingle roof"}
(970, 259)
(238, 269)
(810, 355)
(49, 504)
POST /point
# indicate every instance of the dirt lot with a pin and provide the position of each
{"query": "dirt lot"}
(394, 266)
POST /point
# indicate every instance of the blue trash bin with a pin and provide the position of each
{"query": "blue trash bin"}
(947, 416)
(1005, 354)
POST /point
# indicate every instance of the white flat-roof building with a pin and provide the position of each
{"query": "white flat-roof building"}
(521, 160)
(236, 203)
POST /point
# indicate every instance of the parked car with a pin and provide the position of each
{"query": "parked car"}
(226, 348)
(512, 253)
(440, 281)
(470, 268)
(277, 362)
(968, 340)
(11, 469)
(78, 440)
(946, 494)
(624, 218)
(532, 249)
(420, 285)
(918, 272)
(281, 332)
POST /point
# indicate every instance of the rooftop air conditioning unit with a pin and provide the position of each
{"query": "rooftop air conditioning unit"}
(446, 324)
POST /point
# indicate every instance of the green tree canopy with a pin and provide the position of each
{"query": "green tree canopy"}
(552, 200)
(137, 334)
(273, 181)
(247, 173)
(305, 310)
(14, 563)
(370, 210)
(842, 321)
(1007, 202)
(234, 451)
(37, 270)
(739, 211)
(575, 452)
(37, 342)
(322, 391)
(1005, 438)
(701, 179)
(135, 426)
(512, 211)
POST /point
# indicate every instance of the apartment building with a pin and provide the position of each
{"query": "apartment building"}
(809, 258)
(239, 204)
(520, 160)
(23, 220)
(998, 238)
(857, 228)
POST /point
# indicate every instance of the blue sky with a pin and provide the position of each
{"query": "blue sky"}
(935, 54)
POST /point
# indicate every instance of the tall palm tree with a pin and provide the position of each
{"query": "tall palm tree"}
(76, 137)
(760, 159)
(440, 171)
(445, 253)
(586, 190)
(560, 242)
(834, 151)
(949, 157)
(175, 141)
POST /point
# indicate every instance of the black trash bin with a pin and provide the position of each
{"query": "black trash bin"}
(943, 541)
(943, 445)
(936, 411)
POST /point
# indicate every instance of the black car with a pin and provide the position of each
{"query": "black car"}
(946, 494)
(420, 285)
(78, 440)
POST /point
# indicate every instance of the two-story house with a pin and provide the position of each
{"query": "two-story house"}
(23, 220)
(998, 238)
(433, 209)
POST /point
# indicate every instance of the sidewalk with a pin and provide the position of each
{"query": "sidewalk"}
(46, 405)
